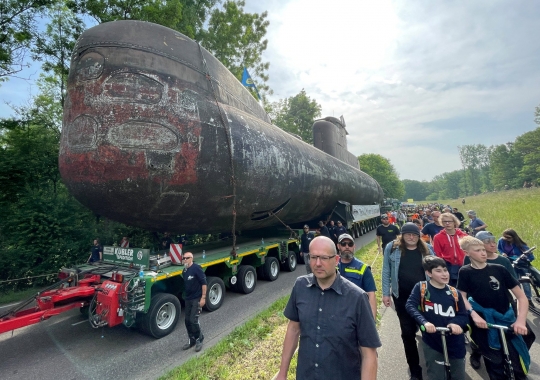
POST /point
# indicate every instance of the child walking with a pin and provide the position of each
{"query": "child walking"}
(434, 304)
(485, 291)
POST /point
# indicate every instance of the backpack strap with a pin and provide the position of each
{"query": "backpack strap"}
(423, 286)
(456, 296)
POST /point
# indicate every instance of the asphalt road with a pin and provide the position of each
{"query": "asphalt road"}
(67, 347)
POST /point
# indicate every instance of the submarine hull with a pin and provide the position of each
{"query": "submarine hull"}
(158, 134)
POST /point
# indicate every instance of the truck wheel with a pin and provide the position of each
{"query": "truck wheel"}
(247, 279)
(290, 263)
(215, 292)
(271, 269)
(162, 315)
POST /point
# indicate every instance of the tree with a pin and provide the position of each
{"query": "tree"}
(17, 31)
(505, 166)
(54, 47)
(415, 189)
(296, 115)
(526, 147)
(475, 162)
(236, 39)
(383, 172)
(167, 13)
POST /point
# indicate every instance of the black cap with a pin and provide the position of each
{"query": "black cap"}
(410, 228)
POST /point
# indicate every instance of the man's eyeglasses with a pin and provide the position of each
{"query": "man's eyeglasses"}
(188, 257)
(322, 258)
(344, 244)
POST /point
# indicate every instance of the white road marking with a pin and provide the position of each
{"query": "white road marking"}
(78, 323)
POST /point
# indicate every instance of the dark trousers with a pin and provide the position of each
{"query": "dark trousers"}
(408, 335)
(193, 311)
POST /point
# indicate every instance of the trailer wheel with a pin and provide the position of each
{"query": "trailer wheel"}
(289, 265)
(162, 316)
(215, 292)
(247, 279)
(271, 269)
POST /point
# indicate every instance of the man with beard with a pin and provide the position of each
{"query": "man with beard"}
(356, 271)
(386, 232)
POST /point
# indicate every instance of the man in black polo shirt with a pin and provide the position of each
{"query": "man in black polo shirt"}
(333, 321)
(386, 233)
(195, 298)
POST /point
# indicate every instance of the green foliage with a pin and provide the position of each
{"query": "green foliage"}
(505, 165)
(475, 162)
(415, 189)
(17, 31)
(527, 146)
(54, 47)
(236, 39)
(167, 13)
(296, 115)
(384, 172)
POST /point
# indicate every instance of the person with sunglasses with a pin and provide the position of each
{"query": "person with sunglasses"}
(355, 270)
(195, 298)
(331, 319)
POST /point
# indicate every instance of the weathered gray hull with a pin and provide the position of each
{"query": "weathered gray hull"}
(145, 143)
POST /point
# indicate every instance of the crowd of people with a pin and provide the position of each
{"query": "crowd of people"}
(437, 272)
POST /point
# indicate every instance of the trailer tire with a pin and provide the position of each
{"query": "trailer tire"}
(271, 269)
(290, 263)
(215, 293)
(162, 315)
(247, 279)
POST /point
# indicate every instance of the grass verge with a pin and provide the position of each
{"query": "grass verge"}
(514, 209)
(12, 297)
(253, 351)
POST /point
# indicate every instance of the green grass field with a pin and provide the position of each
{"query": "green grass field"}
(516, 209)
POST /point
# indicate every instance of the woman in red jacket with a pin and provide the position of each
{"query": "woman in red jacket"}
(446, 246)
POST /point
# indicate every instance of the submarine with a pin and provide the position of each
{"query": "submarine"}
(158, 134)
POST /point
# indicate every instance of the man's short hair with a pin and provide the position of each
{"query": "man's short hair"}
(468, 241)
(431, 262)
(321, 223)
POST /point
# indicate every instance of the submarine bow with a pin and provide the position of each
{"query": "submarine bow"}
(158, 134)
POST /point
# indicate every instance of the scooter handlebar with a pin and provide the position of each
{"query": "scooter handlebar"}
(442, 329)
(505, 328)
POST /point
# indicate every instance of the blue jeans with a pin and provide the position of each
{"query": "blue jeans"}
(526, 286)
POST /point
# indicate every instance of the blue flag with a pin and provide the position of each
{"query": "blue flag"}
(248, 82)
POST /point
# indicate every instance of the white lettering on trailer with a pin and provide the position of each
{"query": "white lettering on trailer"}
(124, 254)
(361, 213)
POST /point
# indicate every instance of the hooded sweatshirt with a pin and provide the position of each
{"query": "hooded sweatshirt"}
(447, 247)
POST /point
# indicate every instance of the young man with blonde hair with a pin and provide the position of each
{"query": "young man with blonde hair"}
(485, 292)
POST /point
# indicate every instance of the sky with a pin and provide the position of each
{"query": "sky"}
(414, 79)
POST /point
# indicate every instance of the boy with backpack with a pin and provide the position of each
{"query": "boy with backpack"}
(434, 304)
(485, 291)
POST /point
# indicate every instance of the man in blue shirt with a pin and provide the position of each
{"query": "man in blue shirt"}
(356, 271)
(433, 228)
